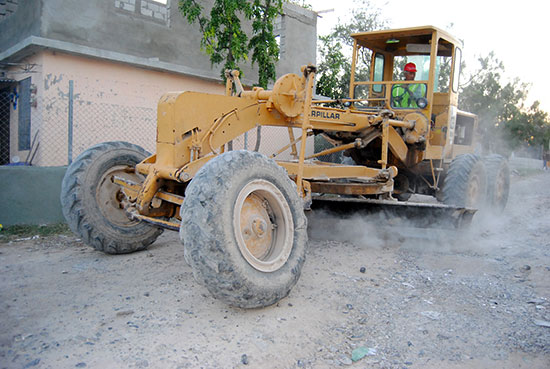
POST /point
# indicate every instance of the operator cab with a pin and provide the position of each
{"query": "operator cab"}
(379, 57)
(378, 81)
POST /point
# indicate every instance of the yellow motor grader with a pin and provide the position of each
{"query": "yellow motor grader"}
(240, 214)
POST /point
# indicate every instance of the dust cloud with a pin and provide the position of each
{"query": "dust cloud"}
(380, 230)
(354, 228)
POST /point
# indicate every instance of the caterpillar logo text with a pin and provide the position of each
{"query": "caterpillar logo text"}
(325, 114)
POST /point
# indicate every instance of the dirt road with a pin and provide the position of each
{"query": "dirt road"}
(476, 300)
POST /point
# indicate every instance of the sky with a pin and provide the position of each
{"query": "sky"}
(515, 31)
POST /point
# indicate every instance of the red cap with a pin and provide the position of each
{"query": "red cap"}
(410, 67)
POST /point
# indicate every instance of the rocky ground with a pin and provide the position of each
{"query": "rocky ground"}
(425, 299)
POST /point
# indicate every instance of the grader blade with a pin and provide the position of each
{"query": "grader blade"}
(394, 213)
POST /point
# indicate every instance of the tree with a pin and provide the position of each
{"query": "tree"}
(531, 128)
(335, 51)
(222, 36)
(224, 39)
(485, 94)
(303, 3)
(265, 50)
(505, 123)
(334, 70)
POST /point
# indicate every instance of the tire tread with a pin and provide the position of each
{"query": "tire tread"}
(78, 217)
(495, 165)
(207, 251)
(455, 186)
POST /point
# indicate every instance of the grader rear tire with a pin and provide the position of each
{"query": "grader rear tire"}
(90, 201)
(244, 229)
(498, 181)
(466, 182)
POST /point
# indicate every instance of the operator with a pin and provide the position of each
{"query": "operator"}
(405, 96)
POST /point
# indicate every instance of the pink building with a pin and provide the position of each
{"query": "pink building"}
(76, 73)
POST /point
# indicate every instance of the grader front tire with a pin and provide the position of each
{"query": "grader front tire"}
(90, 201)
(244, 229)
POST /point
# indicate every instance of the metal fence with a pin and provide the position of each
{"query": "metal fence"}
(95, 122)
(65, 123)
(68, 122)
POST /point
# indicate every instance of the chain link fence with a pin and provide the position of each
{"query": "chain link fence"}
(94, 123)
(65, 123)
(71, 123)
(68, 122)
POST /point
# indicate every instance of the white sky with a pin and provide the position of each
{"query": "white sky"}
(515, 31)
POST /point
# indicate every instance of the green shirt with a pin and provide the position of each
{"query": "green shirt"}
(405, 96)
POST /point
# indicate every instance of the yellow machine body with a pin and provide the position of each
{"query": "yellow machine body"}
(193, 127)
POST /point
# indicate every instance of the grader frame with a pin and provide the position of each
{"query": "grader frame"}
(193, 128)
(240, 214)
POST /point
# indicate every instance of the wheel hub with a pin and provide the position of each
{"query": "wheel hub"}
(259, 226)
(474, 194)
(255, 223)
(109, 197)
(263, 225)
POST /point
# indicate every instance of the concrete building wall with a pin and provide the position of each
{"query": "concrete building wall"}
(298, 34)
(22, 23)
(139, 32)
(522, 163)
(30, 195)
(121, 27)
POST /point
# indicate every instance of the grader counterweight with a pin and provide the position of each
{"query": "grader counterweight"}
(240, 214)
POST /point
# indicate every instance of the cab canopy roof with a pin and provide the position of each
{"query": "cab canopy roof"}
(407, 41)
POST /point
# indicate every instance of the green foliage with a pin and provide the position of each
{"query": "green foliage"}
(486, 95)
(500, 108)
(333, 73)
(530, 127)
(15, 232)
(335, 50)
(224, 39)
(303, 3)
(265, 50)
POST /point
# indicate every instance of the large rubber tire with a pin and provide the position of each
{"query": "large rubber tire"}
(465, 183)
(244, 229)
(498, 181)
(90, 201)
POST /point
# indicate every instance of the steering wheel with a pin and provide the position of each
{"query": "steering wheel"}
(399, 97)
